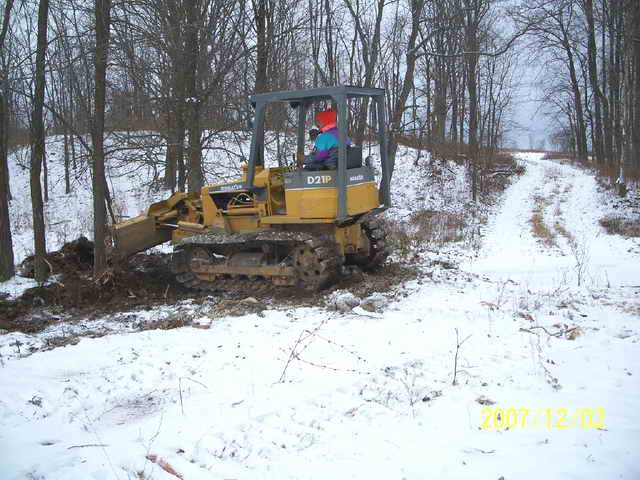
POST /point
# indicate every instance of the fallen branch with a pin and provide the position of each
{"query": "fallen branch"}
(558, 334)
(88, 445)
(529, 330)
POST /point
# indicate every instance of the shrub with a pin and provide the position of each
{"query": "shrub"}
(425, 229)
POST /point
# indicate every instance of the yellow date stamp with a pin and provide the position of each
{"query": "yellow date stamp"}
(500, 418)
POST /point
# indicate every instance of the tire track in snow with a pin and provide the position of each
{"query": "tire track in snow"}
(510, 249)
(608, 260)
(582, 251)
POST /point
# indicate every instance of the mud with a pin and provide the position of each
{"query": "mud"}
(145, 281)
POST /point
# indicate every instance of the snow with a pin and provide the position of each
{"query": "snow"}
(16, 286)
(577, 204)
(325, 393)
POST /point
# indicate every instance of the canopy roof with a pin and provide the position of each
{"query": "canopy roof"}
(315, 94)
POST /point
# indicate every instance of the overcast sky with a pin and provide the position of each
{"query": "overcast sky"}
(528, 113)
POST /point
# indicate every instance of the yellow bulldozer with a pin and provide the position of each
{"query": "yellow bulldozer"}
(288, 225)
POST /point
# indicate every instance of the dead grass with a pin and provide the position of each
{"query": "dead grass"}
(440, 227)
(561, 229)
(503, 160)
(606, 174)
(426, 229)
(497, 174)
(539, 228)
(451, 151)
(541, 231)
(615, 225)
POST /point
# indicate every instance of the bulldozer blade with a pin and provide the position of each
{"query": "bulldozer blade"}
(138, 234)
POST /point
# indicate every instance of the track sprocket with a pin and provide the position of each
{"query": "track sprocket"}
(317, 263)
(378, 250)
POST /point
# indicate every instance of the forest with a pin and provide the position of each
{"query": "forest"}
(169, 76)
(453, 294)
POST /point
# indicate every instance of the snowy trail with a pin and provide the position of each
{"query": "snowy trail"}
(364, 397)
(574, 208)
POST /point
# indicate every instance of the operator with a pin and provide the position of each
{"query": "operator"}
(325, 154)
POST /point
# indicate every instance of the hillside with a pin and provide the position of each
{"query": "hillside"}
(498, 336)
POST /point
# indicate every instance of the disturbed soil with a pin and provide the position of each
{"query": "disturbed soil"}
(146, 280)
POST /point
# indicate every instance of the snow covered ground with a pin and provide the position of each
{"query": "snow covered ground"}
(316, 393)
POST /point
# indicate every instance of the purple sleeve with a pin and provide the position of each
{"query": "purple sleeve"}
(322, 154)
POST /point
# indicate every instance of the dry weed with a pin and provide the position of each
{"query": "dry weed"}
(561, 229)
(538, 225)
(426, 229)
(626, 227)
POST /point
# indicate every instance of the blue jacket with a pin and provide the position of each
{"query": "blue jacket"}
(326, 141)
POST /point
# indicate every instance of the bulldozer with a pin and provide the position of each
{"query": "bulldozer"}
(287, 224)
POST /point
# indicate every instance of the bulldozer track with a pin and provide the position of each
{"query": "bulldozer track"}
(316, 261)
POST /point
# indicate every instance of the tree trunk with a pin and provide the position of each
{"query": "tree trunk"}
(471, 44)
(4, 104)
(194, 129)
(593, 80)
(171, 159)
(173, 141)
(67, 163)
(607, 113)
(407, 83)
(454, 110)
(634, 58)
(463, 112)
(440, 105)
(580, 125)
(7, 267)
(38, 149)
(176, 125)
(103, 23)
(262, 51)
(45, 179)
(615, 66)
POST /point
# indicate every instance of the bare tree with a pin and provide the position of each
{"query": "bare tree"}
(405, 82)
(193, 99)
(553, 30)
(633, 81)
(102, 10)
(369, 37)
(474, 13)
(38, 147)
(7, 267)
(598, 97)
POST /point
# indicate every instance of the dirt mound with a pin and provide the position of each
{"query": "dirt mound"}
(145, 280)
(73, 256)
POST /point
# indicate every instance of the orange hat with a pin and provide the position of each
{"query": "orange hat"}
(327, 118)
